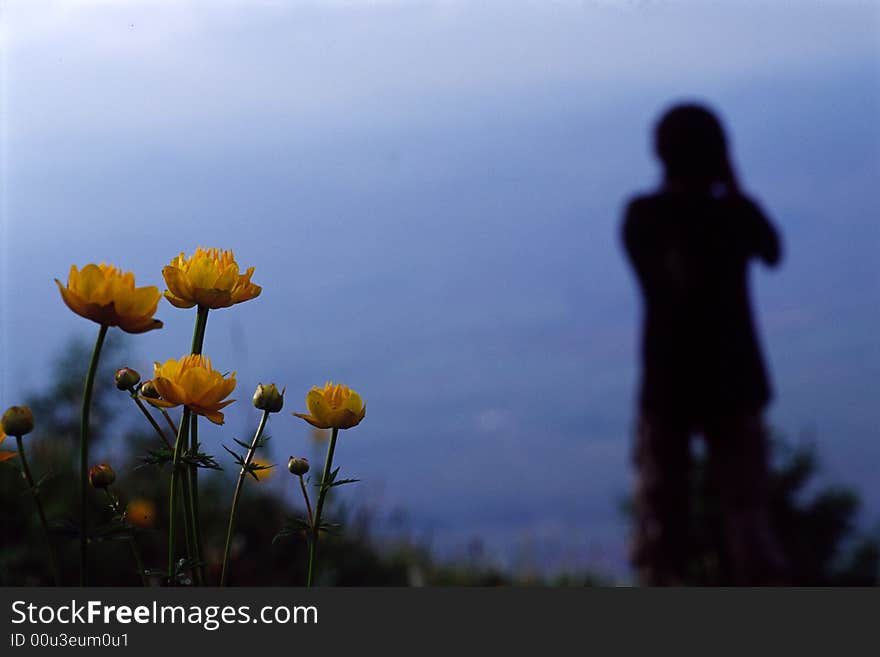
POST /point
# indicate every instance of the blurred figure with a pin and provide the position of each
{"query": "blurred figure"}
(690, 244)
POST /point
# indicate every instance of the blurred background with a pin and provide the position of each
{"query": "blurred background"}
(431, 194)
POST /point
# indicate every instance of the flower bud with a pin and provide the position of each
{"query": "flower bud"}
(17, 421)
(148, 390)
(297, 465)
(101, 475)
(127, 378)
(267, 398)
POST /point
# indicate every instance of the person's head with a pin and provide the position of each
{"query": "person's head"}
(690, 142)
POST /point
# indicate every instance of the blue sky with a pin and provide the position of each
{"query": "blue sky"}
(430, 193)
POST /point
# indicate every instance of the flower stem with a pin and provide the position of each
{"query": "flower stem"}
(194, 502)
(197, 341)
(199, 331)
(153, 422)
(241, 475)
(139, 561)
(186, 493)
(186, 504)
(170, 422)
(135, 551)
(319, 507)
(115, 503)
(84, 456)
(172, 504)
(26, 471)
(302, 484)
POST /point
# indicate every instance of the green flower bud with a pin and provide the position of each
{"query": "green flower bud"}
(148, 390)
(101, 475)
(298, 465)
(127, 378)
(18, 421)
(267, 398)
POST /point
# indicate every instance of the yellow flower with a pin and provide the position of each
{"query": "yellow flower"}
(191, 381)
(265, 470)
(4, 455)
(141, 513)
(107, 295)
(333, 407)
(208, 278)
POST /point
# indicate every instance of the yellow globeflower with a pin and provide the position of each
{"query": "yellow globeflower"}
(266, 469)
(333, 407)
(192, 381)
(4, 455)
(209, 278)
(141, 513)
(107, 295)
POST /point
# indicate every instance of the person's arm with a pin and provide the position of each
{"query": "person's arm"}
(634, 240)
(764, 240)
(629, 233)
(729, 179)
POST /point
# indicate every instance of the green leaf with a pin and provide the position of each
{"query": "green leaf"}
(157, 457)
(331, 481)
(330, 478)
(282, 534)
(291, 527)
(343, 481)
(332, 528)
(201, 460)
(238, 457)
(253, 468)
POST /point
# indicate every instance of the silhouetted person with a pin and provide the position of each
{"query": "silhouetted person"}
(690, 244)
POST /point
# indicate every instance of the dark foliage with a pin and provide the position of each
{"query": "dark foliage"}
(817, 531)
(268, 549)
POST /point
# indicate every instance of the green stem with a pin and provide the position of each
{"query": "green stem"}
(53, 558)
(319, 507)
(172, 503)
(183, 485)
(135, 551)
(134, 546)
(152, 421)
(84, 456)
(139, 561)
(169, 421)
(186, 492)
(241, 475)
(199, 331)
(194, 502)
(302, 485)
(114, 503)
(197, 342)
(187, 497)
